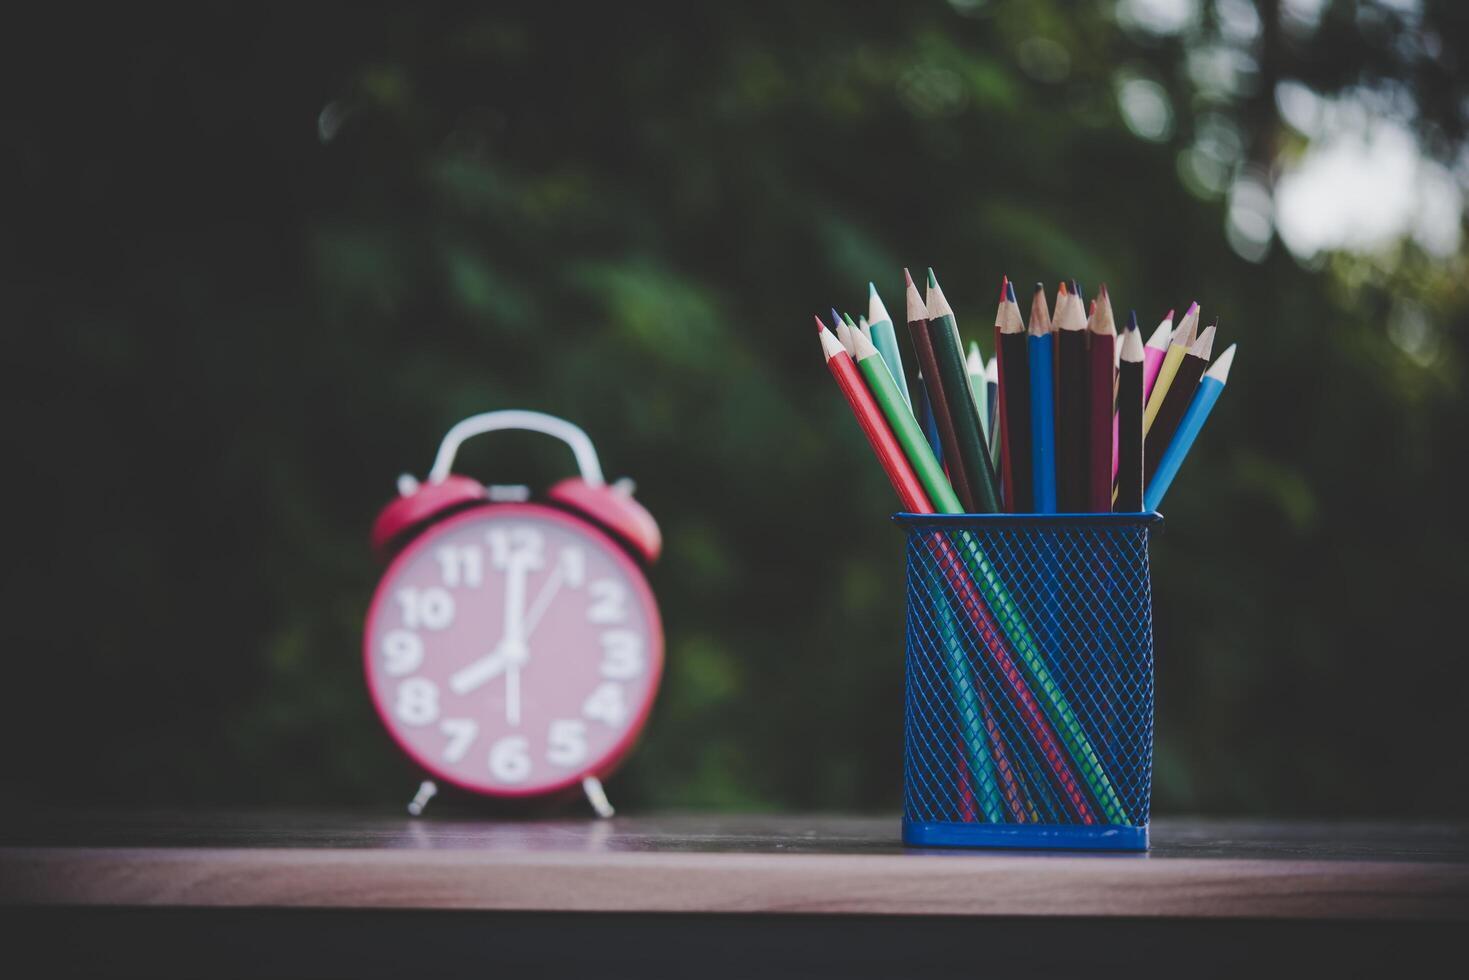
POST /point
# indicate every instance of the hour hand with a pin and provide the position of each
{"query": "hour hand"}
(472, 675)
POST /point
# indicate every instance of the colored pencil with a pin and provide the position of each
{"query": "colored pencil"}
(929, 423)
(1211, 386)
(1175, 404)
(1072, 457)
(1131, 325)
(863, 328)
(905, 428)
(948, 351)
(889, 453)
(1130, 422)
(1015, 405)
(843, 332)
(1183, 337)
(885, 339)
(1039, 345)
(977, 594)
(1154, 352)
(938, 400)
(992, 395)
(852, 331)
(1101, 391)
(974, 366)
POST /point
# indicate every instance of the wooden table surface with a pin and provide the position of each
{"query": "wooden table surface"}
(277, 893)
(725, 864)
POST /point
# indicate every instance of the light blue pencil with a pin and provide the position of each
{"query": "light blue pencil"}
(974, 367)
(1211, 386)
(885, 339)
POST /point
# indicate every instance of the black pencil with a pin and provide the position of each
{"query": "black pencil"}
(1130, 422)
(1015, 398)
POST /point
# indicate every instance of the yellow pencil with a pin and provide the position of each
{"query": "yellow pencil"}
(1183, 337)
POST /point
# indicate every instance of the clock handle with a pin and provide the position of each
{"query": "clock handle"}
(573, 436)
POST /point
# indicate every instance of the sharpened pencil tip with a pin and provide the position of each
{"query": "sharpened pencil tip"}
(836, 318)
(1169, 316)
(871, 289)
(1010, 291)
(1132, 319)
(1062, 290)
(908, 279)
(1004, 287)
(933, 280)
(847, 319)
(819, 325)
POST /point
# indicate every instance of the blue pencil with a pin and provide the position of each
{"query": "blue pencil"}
(1042, 404)
(929, 423)
(1211, 386)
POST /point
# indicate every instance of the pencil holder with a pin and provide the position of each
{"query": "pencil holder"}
(1028, 718)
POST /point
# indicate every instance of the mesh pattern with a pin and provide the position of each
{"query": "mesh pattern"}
(1030, 670)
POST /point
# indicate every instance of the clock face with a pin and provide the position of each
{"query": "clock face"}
(513, 649)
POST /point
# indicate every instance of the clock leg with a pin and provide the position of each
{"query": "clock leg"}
(597, 797)
(427, 790)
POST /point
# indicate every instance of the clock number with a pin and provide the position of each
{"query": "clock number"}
(510, 759)
(605, 704)
(622, 654)
(609, 601)
(460, 565)
(567, 743)
(573, 563)
(404, 651)
(418, 701)
(461, 733)
(519, 545)
(431, 608)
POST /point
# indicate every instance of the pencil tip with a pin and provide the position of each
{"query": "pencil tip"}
(1169, 316)
(1061, 289)
(1004, 287)
(908, 279)
(1132, 319)
(932, 279)
(836, 318)
(871, 289)
(1010, 289)
(819, 325)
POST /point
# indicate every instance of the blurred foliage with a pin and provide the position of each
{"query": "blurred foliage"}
(259, 258)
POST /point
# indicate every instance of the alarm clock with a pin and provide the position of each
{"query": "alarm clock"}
(513, 647)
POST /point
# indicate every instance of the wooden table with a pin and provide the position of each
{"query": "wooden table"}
(279, 893)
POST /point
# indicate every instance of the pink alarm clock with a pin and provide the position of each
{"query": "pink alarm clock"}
(513, 646)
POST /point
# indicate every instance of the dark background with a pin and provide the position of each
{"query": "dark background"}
(257, 258)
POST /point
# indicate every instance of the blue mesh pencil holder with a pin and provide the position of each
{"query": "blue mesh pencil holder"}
(1028, 710)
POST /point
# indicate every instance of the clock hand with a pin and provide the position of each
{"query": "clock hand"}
(467, 678)
(512, 695)
(543, 601)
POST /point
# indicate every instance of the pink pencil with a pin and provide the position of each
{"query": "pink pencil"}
(1155, 351)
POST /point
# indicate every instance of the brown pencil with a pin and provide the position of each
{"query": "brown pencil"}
(1101, 384)
(1015, 404)
(1176, 400)
(933, 383)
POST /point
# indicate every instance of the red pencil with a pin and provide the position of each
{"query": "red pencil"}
(1101, 389)
(869, 416)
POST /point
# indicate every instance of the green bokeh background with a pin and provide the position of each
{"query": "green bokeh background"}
(259, 258)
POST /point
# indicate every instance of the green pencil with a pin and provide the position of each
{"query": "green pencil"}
(885, 339)
(905, 427)
(973, 450)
